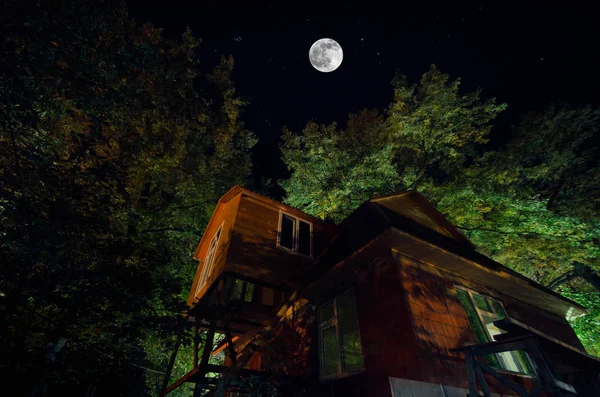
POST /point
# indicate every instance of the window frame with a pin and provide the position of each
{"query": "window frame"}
(243, 291)
(211, 255)
(480, 312)
(296, 234)
(334, 322)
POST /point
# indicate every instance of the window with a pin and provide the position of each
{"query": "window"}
(482, 311)
(339, 340)
(242, 291)
(295, 234)
(209, 259)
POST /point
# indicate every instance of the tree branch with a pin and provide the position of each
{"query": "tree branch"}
(171, 229)
(519, 233)
(563, 278)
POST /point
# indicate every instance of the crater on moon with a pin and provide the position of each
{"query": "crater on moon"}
(326, 55)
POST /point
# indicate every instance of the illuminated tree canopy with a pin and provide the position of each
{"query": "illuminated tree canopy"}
(531, 205)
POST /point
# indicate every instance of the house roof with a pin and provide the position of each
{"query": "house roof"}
(410, 214)
(411, 204)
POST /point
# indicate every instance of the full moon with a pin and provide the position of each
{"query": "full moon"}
(326, 55)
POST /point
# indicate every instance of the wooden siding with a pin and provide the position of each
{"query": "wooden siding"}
(529, 314)
(225, 214)
(292, 349)
(409, 320)
(254, 253)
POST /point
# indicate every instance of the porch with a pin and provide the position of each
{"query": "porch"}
(561, 369)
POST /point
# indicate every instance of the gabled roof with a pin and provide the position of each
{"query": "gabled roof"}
(411, 204)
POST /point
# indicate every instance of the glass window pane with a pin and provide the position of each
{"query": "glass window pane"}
(509, 361)
(249, 295)
(286, 236)
(326, 312)
(481, 303)
(463, 298)
(478, 330)
(236, 291)
(498, 309)
(352, 359)
(525, 362)
(304, 238)
(330, 351)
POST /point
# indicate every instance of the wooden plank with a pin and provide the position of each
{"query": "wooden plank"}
(471, 376)
(185, 378)
(481, 380)
(484, 349)
(167, 377)
(513, 326)
(516, 388)
(196, 342)
(208, 344)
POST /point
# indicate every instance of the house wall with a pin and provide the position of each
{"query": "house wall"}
(225, 214)
(410, 318)
(254, 253)
(291, 348)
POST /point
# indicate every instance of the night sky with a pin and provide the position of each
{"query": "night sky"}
(524, 53)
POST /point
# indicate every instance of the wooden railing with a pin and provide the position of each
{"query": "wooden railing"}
(544, 380)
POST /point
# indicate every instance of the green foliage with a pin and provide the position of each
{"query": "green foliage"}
(428, 134)
(586, 326)
(114, 150)
(532, 205)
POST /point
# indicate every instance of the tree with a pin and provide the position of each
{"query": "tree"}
(532, 205)
(430, 131)
(115, 148)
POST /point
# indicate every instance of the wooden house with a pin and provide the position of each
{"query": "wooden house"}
(394, 301)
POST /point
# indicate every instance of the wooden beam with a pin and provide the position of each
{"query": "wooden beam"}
(224, 345)
(481, 379)
(180, 381)
(208, 343)
(471, 375)
(513, 327)
(516, 388)
(171, 362)
(484, 349)
(196, 342)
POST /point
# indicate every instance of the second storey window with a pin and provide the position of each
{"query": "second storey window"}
(482, 311)
(339, 340)
(295, 234)
(209, 259)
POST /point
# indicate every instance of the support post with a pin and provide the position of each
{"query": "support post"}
(543, 370)
(481, 379)
(207, 350)
(208, 344)
(196, 342)
(172, 361)
(471, 374)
